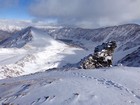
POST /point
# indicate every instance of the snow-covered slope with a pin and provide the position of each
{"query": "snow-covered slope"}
(10, 27)
(37, 49)
(127, 38)
(109, 86)
(32, 50)
(132, 59)
(4, 35)
(18, 39)
(46, 47)
(127, 35)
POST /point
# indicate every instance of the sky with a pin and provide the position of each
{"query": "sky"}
(83, 13)
(14, 9)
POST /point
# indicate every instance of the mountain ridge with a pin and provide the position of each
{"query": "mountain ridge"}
(67, 44)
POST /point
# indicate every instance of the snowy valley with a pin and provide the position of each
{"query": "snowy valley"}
(33, 56)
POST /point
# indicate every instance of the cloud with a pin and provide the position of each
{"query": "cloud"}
(87, 13)
(8, 3)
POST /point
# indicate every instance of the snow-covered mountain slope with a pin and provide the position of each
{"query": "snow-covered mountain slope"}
(37, 49)
(4, 35)
(32, 50)
(127, 35)
(132, 59)
(11, 27)
(46, 47)
(127, 38)
(109, 86)
(18, 39)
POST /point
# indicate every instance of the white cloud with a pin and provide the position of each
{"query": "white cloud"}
(8, 3)
(87, 13)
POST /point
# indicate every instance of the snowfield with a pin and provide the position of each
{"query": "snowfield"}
(39, 47)
(108, 86)
(34, 71)
(40, 54)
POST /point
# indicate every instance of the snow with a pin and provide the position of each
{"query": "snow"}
(118, 55)
(7, 55)
(108, 86)
(41, 53)
(29, 82)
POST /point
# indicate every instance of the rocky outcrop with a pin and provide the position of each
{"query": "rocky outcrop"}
(102, 57)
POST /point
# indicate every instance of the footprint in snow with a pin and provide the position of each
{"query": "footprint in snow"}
(83, 76)
(44, 99)
(72, 98)
(45, 83)
(22, 92)
(48, 82)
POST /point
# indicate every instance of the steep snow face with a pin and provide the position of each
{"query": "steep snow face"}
(38, 52)
(110, 86)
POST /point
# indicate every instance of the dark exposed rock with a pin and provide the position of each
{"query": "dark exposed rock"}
(102, 56)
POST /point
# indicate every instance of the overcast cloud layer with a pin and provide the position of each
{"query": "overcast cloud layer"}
(87, 13)
(84, 13)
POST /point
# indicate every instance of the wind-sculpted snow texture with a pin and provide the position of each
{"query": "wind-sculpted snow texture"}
(110, 86)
